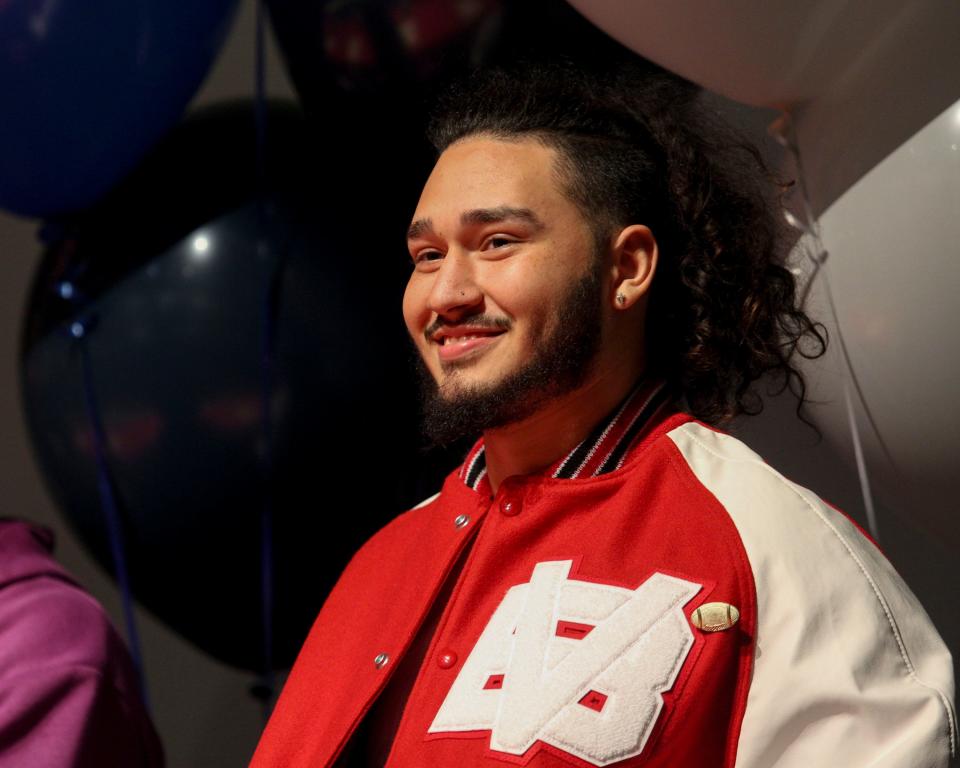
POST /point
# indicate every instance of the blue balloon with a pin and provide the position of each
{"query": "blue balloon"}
(88, 86)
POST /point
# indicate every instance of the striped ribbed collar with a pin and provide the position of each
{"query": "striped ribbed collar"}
(602, 451)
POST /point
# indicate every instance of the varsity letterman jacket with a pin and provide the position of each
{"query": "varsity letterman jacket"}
(661, 597)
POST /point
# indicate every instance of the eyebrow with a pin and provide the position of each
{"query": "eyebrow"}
(481, 216)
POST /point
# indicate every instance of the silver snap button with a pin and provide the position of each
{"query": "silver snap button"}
(461, 520)
(381, 660)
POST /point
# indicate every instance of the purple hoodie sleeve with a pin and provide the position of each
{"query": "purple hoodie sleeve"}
(68, 692)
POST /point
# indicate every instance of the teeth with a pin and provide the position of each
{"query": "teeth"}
(460, 339)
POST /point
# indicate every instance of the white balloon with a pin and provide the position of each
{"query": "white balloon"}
(870, 87)
(860, 78)
(894, 267)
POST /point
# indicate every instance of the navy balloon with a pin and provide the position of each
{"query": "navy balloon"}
(174, 275)
(88, 86)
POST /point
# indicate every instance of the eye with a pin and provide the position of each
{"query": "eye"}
(426, 256)
(501, 240)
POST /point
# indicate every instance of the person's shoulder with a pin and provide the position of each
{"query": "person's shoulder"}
(47, 618)
(776, 517)
(69, 691)
(799, 542)
(761, 500)
(834, 618)
(52, 621)
(57, 644)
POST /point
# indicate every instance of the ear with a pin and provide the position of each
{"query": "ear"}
(634, 263)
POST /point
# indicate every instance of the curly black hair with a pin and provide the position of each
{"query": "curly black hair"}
(635, 145)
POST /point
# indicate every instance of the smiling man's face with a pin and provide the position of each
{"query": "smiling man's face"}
(505, 300)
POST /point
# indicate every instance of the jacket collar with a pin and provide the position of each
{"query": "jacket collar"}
(603, 450)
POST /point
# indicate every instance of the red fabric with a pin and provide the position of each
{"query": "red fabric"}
(619, 528)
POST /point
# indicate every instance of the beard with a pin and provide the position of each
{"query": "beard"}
(559, 364)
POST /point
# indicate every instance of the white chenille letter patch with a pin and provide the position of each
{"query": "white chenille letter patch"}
(575, 664)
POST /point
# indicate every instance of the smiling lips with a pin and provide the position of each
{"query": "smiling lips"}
(455, 342)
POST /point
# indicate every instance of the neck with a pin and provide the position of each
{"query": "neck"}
(556, 429)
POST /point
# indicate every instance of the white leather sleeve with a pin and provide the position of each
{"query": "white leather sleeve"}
(849, 670)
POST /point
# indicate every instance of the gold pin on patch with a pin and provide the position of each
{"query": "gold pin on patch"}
(715, 617)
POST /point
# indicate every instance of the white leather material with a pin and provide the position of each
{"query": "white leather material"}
(634, 651)
(849, 671)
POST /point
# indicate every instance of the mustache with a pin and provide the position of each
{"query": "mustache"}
(478, 321)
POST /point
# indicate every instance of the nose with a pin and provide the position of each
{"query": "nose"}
(454, 291)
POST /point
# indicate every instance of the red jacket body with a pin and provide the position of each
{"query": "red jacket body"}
(572, 636)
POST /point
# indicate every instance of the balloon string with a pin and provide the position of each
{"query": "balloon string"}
(784, 131)
(828, 291)
(861, 465)
(108, 502)
(265, 688)
(260, 98)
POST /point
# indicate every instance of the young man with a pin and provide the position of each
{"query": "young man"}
(607, 579)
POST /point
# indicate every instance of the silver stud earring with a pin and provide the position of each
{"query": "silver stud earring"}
(621, 299)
